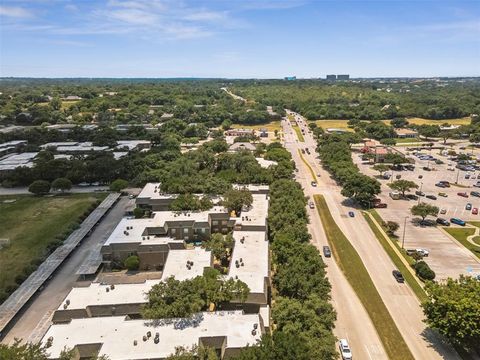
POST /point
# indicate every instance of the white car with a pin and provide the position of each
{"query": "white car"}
(423, 252)
(311, 205)
(345, 349)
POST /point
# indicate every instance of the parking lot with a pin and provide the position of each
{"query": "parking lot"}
(447, 257)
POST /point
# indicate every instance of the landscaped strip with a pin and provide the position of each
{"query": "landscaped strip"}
(314, 177)
(400, 265)
(299, 133)
(357, 275)
(461, 234)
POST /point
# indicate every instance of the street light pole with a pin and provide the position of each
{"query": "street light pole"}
(404, 227)
(421, 185)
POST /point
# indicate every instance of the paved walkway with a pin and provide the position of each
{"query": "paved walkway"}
(17, 300)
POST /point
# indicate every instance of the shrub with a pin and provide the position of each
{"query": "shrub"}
(132, 262)
(39, 187)
(423, 271)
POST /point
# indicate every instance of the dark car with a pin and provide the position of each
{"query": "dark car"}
(439, 184)
(411, 197)
(432, 197)
(443, 222)
(351, 214)
(426, 168)
(419, 193)
(398, 276)
(380, 205)
(463, 194)
(475, 193)
(327, 252)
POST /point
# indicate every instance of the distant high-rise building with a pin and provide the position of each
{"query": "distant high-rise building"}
(343, 77)
(290, 78)
(331, 77)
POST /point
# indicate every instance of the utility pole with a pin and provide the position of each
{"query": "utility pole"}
(404, 227)
(421, 185)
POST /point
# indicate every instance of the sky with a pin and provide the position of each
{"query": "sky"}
(239, 38)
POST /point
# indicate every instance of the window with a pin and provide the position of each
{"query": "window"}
(203, 230)
(224, 229)
(224, 222)
(214, 222)
(173, 231)
(185, 231)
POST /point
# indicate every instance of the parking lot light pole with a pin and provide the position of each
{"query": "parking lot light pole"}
(421, 185)
(404, 227)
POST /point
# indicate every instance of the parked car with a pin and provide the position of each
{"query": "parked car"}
(457, 221)
(380, 205)
(327, 252)
(345, 349)
(420, 176)
(475, 193)
(475, 211)
(443, 211)
(467, 176)
(411, 197)
(468, 206)
(398, 276)
(477, 184)
(351, 214)
(432, 197)
(440, 184)
(423, 252)
(311, 205)
(314, 183)
(463, 194)
(419, 193)
(445, 183)
(426, 168)
(442, 194)
(443, 222)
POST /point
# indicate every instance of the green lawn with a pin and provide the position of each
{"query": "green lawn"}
(461, 235)
(357, 275)
(299, 133)
(314, 177)
(403, 141)
(34, 226)
(409, 277)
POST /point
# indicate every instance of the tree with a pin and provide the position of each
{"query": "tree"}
(220, 246)
(61, 184)
(381, 168)
(391, 227)
(39, 187)
(395, 159)
(423, 210)
(190, 202)
(399, 122)
(453, 309)
(403, 185)
(29, 351)
(132, 262)
(118, 185)
(196, 353)
(235, 200)
(428, 131)
(361, 187)
(138, 212)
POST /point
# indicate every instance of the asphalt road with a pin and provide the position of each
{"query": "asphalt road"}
(400, 300)
(34, 321)
(353, 322)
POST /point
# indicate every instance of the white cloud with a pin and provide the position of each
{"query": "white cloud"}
(13, 11)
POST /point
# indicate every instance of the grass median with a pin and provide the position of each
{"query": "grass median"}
(314, 177)
(299, 133)
(357, 275)
(400, 265)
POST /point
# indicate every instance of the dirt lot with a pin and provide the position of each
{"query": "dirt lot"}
(447, 257)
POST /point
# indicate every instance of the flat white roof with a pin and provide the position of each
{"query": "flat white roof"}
(252, 187)
(176, 264)
(96, 293)
(61, 143)
(253, 253)
(256, 214)
(265, 163)
(152, 191)
(117, 335)
(131, 144)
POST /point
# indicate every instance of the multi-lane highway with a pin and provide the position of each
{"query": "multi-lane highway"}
(400, 300)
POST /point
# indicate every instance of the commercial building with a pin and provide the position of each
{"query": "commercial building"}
(13, 161)
(240, 132)
(343, 77)
(331, 77)
(242, 146)
(406, 133)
